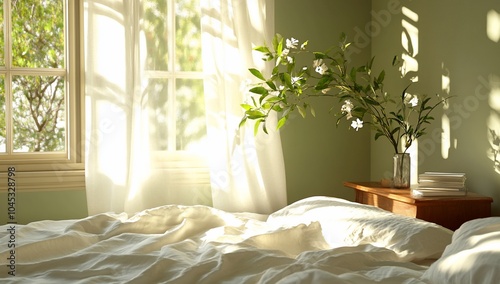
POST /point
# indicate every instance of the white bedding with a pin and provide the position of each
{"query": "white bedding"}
(315, 240)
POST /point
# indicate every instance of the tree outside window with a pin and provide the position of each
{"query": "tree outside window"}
(33, 76)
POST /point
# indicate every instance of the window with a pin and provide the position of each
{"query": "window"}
(172, 82)
(41, 93)
(173, 73)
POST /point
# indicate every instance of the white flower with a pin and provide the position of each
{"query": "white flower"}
(411, 100)
(291, 43)
(347, 107)
(414, 101)
(295, 79)
(285, 53)
(407, 98)
(317, 62)
(324, 91)
(274, 93)
(357, 124)
(322, 69)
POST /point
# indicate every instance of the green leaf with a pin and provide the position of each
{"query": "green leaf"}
(256, 127)
(277, 40)
(259, 90)
(277, 108)
(381, 77)
(274, 99)
(255, 114)
(403, 94)
(281, 122)
(378, 135)
(319, 55)
(279, 47)
(395, 60)
(257, 73)
(263, 49)
(371, 63)
(242, 122)
(288, 80)
(246, 106)
(323, 83)
(264, 127)
(313, 112)
(353, 74)
(371, 101)
(271, 85)
(302, 110)
(266, 106)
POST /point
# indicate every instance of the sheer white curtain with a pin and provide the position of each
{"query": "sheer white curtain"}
(247, 172)
(126, 169)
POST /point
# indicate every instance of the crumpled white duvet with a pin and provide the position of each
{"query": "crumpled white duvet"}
(199, 244)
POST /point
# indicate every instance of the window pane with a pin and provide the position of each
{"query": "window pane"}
(188, 36)
(2, 44)
(39, 118)
(38, 33)
(159, 124)
(3, 125)
(155, 30)
(191, 122)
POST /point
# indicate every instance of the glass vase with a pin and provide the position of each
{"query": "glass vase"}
(401, 173)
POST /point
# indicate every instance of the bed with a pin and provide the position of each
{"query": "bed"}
(314, 240)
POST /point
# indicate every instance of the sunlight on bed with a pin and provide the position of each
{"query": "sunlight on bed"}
(472, 257)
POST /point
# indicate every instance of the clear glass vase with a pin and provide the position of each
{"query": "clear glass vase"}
(401, 177)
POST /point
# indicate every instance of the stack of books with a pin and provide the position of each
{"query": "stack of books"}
(440, 184)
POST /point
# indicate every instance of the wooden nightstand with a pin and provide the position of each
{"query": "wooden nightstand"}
(449, 212)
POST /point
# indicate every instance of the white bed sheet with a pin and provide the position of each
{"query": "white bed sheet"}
(316, 240)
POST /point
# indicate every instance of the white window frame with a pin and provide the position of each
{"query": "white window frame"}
(56, 171)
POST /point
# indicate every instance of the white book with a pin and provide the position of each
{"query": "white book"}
(425, 183)
(433, 192)
(442, 176)
(443, 180)
(441, 188)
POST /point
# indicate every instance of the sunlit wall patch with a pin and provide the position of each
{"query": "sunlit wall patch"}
(493, 25)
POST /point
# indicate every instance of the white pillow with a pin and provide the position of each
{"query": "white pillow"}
(472, 257)
(346, 223)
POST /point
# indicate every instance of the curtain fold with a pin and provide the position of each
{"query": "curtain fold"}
(127, 170)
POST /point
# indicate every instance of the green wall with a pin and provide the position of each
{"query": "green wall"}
(46, 205)
(319, 156)
(454, 54)
(452, 45)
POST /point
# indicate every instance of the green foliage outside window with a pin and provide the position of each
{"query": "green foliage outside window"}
(37, 96)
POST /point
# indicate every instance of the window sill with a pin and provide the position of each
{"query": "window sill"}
(45, 180)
